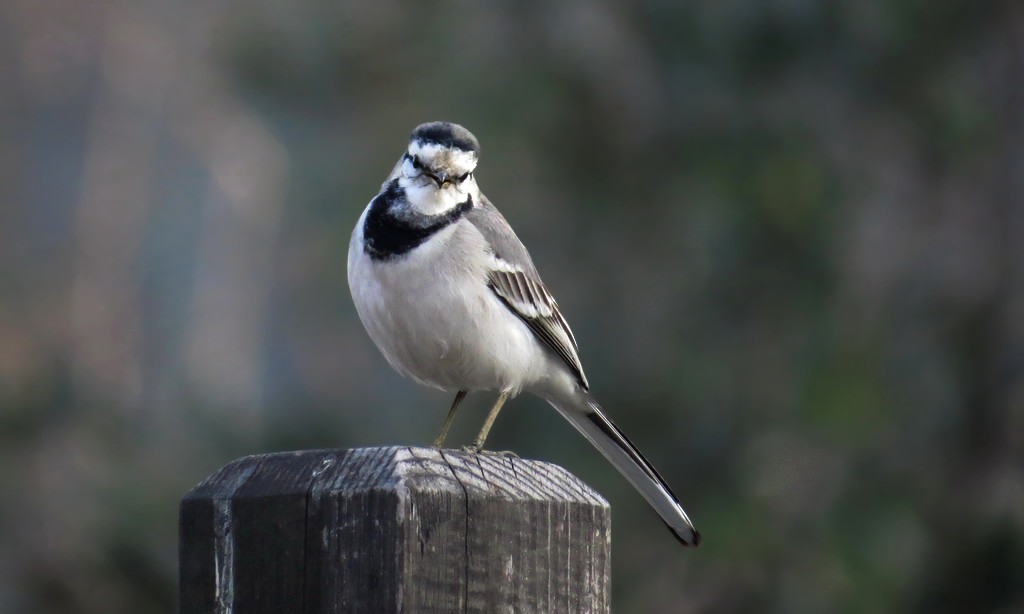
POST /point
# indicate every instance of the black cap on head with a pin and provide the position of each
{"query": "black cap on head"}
(447, 135)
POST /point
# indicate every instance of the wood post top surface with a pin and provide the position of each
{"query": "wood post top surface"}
(485, 475)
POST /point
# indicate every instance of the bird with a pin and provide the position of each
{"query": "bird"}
(452, 299)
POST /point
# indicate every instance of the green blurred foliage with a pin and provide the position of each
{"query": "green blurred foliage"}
(789, 236)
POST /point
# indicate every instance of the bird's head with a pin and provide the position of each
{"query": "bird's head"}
(442, 154)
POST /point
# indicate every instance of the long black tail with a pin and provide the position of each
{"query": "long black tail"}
(591, 421)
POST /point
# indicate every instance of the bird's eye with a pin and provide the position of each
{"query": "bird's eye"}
(462, 177)
(416, 164)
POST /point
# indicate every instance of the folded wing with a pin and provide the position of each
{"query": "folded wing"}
(514, 279)
(530, 300)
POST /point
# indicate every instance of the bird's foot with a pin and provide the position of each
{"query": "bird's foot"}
(503, 453)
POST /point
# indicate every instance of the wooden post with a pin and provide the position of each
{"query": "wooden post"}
(393, 530)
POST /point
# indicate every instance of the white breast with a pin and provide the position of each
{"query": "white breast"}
(435, 320)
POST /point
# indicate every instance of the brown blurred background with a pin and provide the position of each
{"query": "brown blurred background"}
(789, 236)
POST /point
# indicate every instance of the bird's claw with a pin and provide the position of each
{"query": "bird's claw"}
(502, 453)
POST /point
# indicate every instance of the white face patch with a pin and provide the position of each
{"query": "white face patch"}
(422, 192)
(432, 155)
(424, 195)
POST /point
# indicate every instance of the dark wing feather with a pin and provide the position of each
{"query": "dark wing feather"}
(515, 281)
(528, 299)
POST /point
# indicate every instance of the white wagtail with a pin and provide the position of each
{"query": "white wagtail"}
(452, 299)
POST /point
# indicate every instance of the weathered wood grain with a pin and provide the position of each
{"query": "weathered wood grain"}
(393, 529)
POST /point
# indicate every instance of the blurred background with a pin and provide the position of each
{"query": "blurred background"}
(789, 236)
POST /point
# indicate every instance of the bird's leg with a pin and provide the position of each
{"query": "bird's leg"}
(479, 443)
(451, 418)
